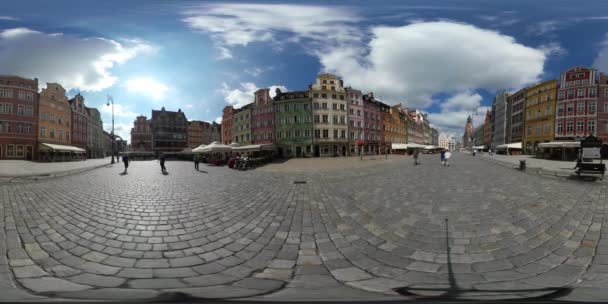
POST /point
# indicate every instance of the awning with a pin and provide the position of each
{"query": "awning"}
(60, 148)
(560, 144)
(198, 149)
(250, 148)
(510, 146)
(406, 146)
(480, 147)
(234, 145)
(215, 147)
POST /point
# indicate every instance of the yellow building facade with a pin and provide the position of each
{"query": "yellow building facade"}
(54, 116)
(539, 115)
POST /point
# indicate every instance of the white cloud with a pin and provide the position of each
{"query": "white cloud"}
(225, 53)
(241, 24)
(8, 18)
(241, 96)
(601, 61)
(119, 111)
(255, 72)
(545, 27)
(218, 119)
(455, 110)
(147, 86)
(83, 63)
(422, 59)
(121, 129)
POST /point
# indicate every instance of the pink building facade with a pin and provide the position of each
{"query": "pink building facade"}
(602, 107)
(356, 122)
(262, 118)
(371, 124)
(577, 107)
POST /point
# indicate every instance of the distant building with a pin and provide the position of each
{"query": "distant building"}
(467, 138)
(54, 123)
(141, 134)
(443, 140)
(80, 123)
(576, 106)
(435, 137)
(169, 131)
(515, 126)
(356, 120)
(539, 115)
(18, 117)
(329, 112)
(293, 113)
(371, 124)
(262, 118)
(212, 132)
(602, 105)
(487, 130)
(500, 116)
(94, 136)
(227, 119)
(241, 125)
(195, 133)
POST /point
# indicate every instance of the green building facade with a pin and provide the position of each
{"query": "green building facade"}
(293, 124)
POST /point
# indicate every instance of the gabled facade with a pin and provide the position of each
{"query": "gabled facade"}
(141, 134)
(372, 124)
(18, 117)
(241, 125)
(293, 123)
(356, 121)
(227, 119)
(80, 122)
(329, 113)
(169, 131)
(262, 118)
(539, 116)
(576, 106)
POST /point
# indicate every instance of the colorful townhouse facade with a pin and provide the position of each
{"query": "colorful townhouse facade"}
(356, 121)
(94, 136)
(241, 125)
(329, 114)
(262, 118)
(141, 134)
(372, 124)
(227, 119)
(602, 113)
(54, 122)
(169, 131)
(576, 106)
(80, 122)
(515, 125)
(195, 133)
(18, 117)
(539, 115)
(293, 123)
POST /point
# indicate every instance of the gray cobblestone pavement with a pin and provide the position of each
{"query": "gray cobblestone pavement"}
(347, 233)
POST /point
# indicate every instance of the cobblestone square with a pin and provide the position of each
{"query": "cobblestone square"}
(351, 231)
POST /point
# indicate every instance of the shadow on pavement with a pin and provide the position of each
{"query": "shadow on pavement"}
(583, 178)
(123, 173)
(455, 292)
(165, 173)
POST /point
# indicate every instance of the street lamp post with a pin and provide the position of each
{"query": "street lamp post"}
(111, 100)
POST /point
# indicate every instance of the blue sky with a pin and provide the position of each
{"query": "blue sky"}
(447, 58)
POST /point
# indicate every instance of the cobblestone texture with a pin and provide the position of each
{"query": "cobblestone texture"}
(226, 233)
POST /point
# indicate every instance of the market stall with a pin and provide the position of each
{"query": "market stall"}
(560, 150)
(509, 149)
(216, 152)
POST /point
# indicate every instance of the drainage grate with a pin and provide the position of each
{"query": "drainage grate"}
(299, 182)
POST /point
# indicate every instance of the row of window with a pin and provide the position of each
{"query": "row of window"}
(338, 134)
(580, 126)
(396, 140)
(21, 95)
(295, 133)
(21, 127)
(580, 107)
(580, 93)
(7, 108)
(547, 130)
(537, 114)
(576, 83)
(289, 107)
(323, 95)
(16, 151)
(539, 99)
(262, 123)
(51, 118)
(59, 133)
(261, 110)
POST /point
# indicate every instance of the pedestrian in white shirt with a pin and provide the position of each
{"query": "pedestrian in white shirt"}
(447, 156)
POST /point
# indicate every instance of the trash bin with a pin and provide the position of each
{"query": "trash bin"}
(522, 165)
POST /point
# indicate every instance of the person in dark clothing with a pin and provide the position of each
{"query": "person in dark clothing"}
(443, 157)
(162, 163)
(416, 156)
(125, 160)
(196, 162)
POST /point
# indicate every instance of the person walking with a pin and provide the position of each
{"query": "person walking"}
(196, 162)
(125, 161)
(415, 157)
(162, 163)
(447, 157)
(442, 157)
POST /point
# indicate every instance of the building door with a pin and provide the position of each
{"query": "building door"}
(29, 153)
(298, 151)
(343, 150)
(317, 152)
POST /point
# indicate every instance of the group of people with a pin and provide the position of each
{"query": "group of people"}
(163, 169)
(445, 157)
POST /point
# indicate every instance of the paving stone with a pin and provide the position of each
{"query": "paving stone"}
(96, 280)
(350, 274)
(47, 284)
(156, 283)
(210, 280)
(31, 271)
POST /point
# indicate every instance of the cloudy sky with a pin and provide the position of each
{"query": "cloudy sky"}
(447, 58)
